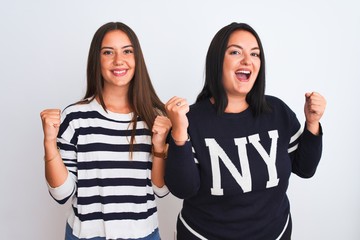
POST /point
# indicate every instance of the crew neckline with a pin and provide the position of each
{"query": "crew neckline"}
(244, 113)
(109, 114)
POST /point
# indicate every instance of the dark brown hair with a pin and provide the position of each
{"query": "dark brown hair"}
(213, 86)
(142, 97)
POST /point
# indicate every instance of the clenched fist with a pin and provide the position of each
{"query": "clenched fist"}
(50, 122)
(314, 109)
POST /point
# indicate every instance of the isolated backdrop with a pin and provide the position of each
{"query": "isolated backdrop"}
(309, 45)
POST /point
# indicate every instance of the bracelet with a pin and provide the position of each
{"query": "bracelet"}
(162, 155)
(187, 140)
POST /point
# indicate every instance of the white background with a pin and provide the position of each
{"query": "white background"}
(309, 46)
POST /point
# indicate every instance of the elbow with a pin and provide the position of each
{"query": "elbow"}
(305, 174)
(61, 195)
(306, 169)
(182, 190)
(160, 192)
(182, 194)
(61, 201)
(158, 183)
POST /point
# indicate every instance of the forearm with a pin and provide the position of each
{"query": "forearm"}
(182, 174)
(158, 171)
(314, 128)
(55, 170)
(159, 154)
(308, 154)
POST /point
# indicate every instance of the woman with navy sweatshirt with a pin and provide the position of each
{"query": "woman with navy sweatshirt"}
(231, 153)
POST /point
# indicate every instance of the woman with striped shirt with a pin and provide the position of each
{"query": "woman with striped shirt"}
(105, 153)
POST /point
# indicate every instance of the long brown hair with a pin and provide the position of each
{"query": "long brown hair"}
(142, 97)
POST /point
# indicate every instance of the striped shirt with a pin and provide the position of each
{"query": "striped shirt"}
(111, 192)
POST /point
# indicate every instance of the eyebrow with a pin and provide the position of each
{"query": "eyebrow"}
(126, 46)
(237, 46)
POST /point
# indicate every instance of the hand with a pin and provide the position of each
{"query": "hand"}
(314, 109)
(176, 109)
(161, 128)
(50, 122)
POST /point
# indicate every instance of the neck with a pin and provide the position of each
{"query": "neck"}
(235, 105)
(116, 100)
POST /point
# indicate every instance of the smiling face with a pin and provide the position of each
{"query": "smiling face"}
(241, 64)
(117, 59)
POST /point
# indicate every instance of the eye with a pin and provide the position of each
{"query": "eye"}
(255, 54)
(234, 52)
(128, 51)
(107, 52)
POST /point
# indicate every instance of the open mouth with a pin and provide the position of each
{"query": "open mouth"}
(121, 72)
(243, 75)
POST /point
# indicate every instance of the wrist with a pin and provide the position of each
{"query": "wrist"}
(53, 156)
(314, 128)
(179, 135)
(50, 143)
(180, 141)
(158, 148)
(160, 152)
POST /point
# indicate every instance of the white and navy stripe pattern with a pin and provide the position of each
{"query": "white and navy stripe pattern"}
(112, 192)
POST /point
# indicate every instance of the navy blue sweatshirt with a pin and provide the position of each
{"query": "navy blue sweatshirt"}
(234, 172)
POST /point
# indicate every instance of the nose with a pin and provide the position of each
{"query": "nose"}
(118, 60)
(246, 60)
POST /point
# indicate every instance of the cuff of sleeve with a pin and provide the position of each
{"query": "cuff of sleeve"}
(172, 142)
(64, 190)
(307, 132)
(312, 141)
(160, 192)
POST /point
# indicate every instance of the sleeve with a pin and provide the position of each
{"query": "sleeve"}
(62, 193)
(164, 190)
(305, 150)
(66, 142)
(160, 192)
(181, 174)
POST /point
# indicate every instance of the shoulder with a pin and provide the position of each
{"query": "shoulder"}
(276, 103)
(272, 100)
(201, 108)
(82, 109)
(77, 106)
(203, 105)
(279, 107)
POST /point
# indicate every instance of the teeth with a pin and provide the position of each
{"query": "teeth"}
(119, 72)
(244, 72)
